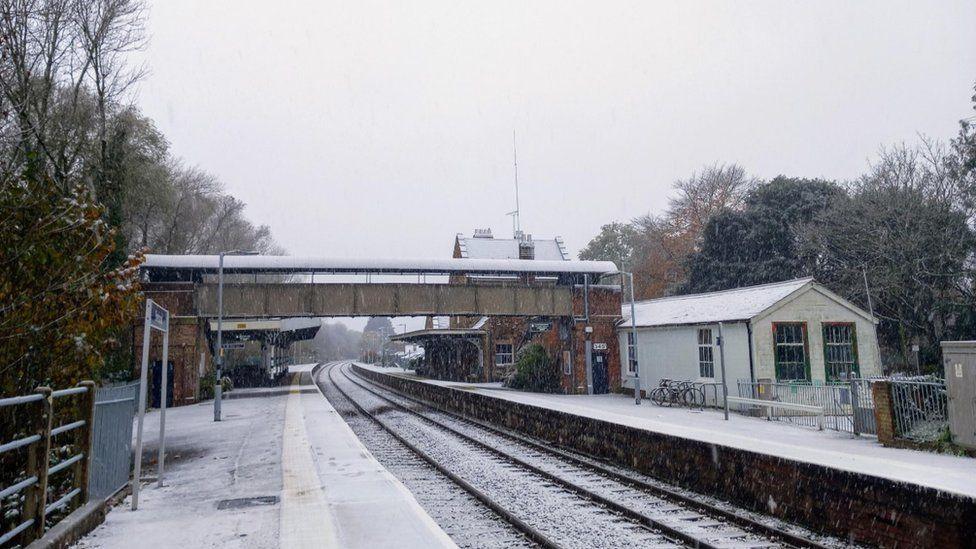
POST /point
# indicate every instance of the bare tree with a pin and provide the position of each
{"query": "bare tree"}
(707, 191)
(61, 68)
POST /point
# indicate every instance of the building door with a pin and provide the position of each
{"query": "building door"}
(157, 375)
(601, 377)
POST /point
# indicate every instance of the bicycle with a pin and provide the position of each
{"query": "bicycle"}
(682, 393)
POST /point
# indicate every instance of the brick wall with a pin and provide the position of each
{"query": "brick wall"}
(884, 412)
(186, 340)
(862, 508)
(604, 313)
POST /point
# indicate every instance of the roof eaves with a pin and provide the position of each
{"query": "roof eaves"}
(623, 323)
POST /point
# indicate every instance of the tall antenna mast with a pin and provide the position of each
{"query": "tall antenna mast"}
(518, 223)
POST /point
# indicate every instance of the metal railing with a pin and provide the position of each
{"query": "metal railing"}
(920, 409)
(713, 394)
(771, 405)
(115, 408)
(838, 402)
(37, 467)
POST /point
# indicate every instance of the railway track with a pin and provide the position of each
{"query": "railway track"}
(468, 522)
(555, 498)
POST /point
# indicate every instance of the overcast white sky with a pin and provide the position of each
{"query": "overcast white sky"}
(366, 128)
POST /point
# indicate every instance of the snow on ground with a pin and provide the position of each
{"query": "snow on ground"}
(828, 448)
(206, 462)
(294, 447)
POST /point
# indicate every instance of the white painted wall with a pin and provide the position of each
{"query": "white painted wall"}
(814, 307)
(671, 352)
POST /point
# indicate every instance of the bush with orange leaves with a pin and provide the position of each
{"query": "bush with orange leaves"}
(61, 304)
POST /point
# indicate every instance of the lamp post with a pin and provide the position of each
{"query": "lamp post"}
(633, 335)
(220, 328)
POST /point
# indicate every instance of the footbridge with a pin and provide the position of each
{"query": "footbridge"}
(483, 287)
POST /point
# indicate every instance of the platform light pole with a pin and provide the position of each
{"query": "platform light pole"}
(633, 335)
(220, 328)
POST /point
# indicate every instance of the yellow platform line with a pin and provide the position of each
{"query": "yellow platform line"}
(305, 517)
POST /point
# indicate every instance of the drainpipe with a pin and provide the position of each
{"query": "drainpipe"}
(725, 381)
(752, 370)
(586, 297)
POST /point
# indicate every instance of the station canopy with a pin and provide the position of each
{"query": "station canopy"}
(280, 330)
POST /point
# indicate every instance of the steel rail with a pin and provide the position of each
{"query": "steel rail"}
(676, 497)
(20, 528)
(66, 463)
(645, 520)
(67, 427)
(19, 443)
(14, 488)
(67, 392)
(13, 401)
(63, 501)
(529, 531)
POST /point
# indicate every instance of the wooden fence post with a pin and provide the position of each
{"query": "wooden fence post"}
(84, 437)
(37, 464)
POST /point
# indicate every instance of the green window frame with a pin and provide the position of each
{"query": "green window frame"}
(791, 350)
(840, 351)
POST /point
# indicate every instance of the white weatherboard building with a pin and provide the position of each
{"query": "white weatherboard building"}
(785, 331)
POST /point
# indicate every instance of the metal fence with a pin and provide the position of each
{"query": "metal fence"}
(111, 445)
(52, 458)
(847, 407)
(862, 407)
(920, 406)
(920, 409)
(713, 394)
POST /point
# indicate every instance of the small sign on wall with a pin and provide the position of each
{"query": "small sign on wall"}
(538, 327)
(599, 346)
(958, 368)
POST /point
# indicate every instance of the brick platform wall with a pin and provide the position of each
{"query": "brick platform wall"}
(858, 507)
(884, 412)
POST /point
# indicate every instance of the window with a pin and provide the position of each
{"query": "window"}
(792, 360)
(840, 351)
(567, 362)
(631, 354)
(706, 353)
(503, 354)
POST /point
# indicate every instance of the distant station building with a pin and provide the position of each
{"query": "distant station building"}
(485, 348)
(796, 331)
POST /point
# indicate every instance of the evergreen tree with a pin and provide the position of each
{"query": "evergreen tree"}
(760, 243)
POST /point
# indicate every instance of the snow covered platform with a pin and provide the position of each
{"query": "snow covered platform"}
(279, 471)
(827, 448)
(828, 482)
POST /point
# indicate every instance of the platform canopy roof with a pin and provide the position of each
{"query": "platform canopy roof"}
(280, 329)
(297, 264)
(421, 335)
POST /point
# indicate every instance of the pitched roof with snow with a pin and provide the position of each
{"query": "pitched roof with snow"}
(725, 306)
(482, 247)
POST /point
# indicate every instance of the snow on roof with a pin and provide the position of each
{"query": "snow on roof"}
(725, 306)
(508, 248)
(281, 263)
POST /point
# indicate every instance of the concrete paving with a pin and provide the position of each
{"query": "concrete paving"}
(281, 470)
